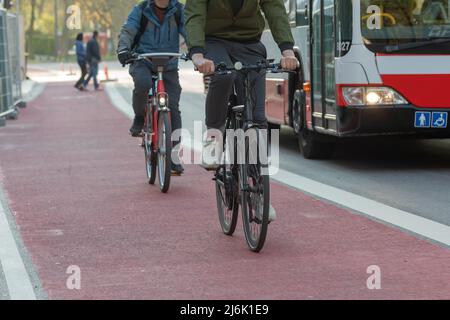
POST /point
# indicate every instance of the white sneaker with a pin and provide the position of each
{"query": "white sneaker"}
(272, 213)
(211, 160)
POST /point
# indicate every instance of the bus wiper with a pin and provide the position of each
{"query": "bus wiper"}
(413, 45)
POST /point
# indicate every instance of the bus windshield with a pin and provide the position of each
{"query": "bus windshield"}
(406, 26)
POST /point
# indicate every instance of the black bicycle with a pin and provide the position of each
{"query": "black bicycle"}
(242, 176)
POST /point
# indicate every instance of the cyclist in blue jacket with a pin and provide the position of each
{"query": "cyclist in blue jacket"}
(153, 26)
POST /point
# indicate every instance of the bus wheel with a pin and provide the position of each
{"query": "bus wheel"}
(297, 112)
(313, 146)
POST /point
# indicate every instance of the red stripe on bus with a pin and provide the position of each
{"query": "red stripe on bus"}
(426, 91)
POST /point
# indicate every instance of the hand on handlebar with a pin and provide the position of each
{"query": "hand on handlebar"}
(124, 57)
(202, 64)
(289, 61)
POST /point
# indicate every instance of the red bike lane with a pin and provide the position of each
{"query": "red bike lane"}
(76, 185)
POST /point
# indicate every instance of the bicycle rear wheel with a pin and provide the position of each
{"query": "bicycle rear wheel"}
(164, 151)
(227, 193)
(150, 156)
(255, 199)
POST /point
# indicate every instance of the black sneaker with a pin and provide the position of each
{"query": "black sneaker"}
(138, 125)
(177, 169)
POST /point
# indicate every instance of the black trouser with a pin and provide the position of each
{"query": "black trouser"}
(141, 71)
(221, 86)
(84, 72)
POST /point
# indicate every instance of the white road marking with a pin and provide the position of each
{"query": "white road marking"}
(407, 221)
(74, 97)
(16, 275)
(118, 100)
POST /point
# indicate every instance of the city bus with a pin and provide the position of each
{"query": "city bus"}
(368, 68)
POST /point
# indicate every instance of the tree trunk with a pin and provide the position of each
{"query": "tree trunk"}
(30, 32)
(65, 33)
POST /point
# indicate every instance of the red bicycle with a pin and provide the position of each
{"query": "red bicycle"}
(157, 131)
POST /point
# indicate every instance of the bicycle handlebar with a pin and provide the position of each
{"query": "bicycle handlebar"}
(267, 65)
(149, 56)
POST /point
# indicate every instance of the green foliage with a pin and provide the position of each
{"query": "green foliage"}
(43, 45)
(101, 15)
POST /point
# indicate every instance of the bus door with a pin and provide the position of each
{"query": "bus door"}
(322, 17)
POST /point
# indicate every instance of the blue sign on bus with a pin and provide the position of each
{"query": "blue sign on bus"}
(439, 120)
(423, 119)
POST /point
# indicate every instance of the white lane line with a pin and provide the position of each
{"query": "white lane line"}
(118, 100)
(424, 227)
(16, 275)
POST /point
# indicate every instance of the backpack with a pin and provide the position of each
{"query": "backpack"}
(144, 21)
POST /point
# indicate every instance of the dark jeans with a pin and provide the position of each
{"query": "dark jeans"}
(141, 71)
(221, 86)
(84, 72)
(93, 72)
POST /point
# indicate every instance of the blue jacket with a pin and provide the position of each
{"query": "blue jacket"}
(81, 51)
(158, 37)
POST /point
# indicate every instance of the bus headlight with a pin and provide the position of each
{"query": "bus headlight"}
(372, 96)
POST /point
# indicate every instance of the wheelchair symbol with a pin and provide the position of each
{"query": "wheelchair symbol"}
(440, 119)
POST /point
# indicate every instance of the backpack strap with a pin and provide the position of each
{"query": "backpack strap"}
(178, 13)
(176, 18)
(143, 24)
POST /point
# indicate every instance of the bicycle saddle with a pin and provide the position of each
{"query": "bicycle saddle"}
(160, 59)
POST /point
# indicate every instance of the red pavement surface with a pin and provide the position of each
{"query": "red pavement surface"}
(77, 187)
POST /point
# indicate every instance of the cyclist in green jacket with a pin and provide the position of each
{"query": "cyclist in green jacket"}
(229, 31)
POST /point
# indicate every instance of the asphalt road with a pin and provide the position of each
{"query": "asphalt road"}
(407, 174)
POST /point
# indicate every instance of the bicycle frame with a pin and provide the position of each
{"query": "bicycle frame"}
(158, 94)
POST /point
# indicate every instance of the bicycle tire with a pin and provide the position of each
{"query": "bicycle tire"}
(150, 161)
(150, 156)
(164, 151)
(227, 195)
(256, 194)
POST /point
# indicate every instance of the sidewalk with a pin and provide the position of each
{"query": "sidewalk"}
(77, 188)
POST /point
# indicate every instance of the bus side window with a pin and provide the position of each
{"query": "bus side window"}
(301, 12)
(435, 13)
(344, 27)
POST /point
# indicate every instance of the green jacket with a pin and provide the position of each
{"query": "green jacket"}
(215, 18)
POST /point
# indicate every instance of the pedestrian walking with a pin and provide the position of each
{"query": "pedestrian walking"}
(81, 59)
(93, 59)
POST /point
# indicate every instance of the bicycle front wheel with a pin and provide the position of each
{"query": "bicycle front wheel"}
(227, 191)
(164, 151)
(255, 198)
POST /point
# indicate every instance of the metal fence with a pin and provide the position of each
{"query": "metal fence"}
(10, 67)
